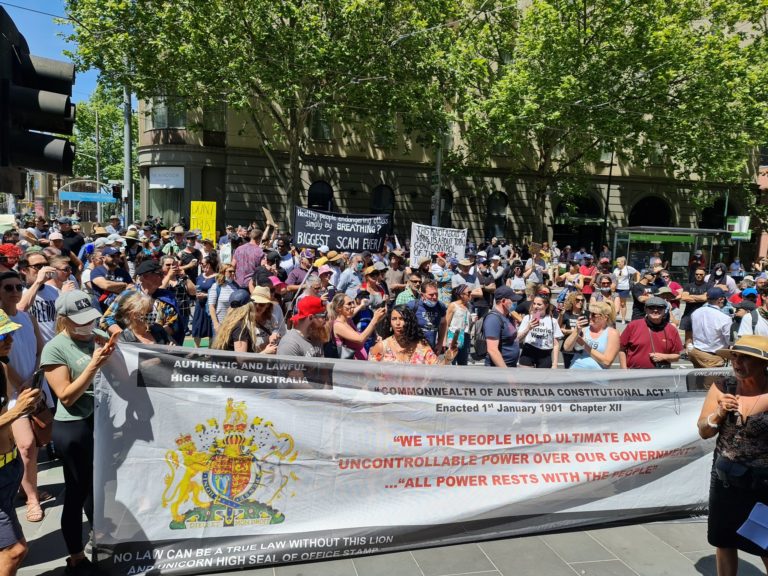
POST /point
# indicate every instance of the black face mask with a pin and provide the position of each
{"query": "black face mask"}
(763, 290)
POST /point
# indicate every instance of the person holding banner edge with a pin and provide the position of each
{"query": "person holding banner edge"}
(735, 411)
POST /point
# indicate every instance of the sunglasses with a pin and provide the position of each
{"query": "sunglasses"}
(322, 316)
(36, 266)
(594, 314)
(604, 284)
(416, 282)
(13, 287)
(579, 299)
(665, 277)
(4, 337)
(655, 308)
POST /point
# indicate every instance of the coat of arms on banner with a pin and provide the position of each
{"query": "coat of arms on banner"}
(228, 474)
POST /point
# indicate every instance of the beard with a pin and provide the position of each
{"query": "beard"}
(319, 334)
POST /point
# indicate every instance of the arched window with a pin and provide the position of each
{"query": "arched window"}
(320, 196)
(651, 211)
(383, 202)
(496, 216)
(580, 226)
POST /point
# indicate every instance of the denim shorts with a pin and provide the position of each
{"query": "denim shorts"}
(10, 480)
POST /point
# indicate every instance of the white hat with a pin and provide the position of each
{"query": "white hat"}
(323, 249)
(55, 236)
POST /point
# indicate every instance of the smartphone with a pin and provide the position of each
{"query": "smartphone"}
(535, 315)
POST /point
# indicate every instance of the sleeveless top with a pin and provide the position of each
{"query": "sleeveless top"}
(460, 324)
(582, 360)
(360, 353)
(745, 442)
(423, 354)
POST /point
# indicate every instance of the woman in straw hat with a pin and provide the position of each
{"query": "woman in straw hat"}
(248, 325)
(735, 411)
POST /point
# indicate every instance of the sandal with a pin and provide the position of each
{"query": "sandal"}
(34, 513)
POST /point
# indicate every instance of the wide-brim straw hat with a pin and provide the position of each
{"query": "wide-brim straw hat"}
(750, 345)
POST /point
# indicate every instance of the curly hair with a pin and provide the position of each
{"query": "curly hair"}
(411, 329)
(570, 300)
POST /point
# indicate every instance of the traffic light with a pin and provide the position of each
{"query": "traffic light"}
(117, 191)
(34, 98)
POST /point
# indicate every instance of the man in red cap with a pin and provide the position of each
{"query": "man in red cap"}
(310, 332)
(9, 257)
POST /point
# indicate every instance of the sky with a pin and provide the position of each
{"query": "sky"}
(44, 37)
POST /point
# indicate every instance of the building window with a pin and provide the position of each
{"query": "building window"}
(496, 219)
(320, 196)
(215, 117)
(606, 153)
(383, 202)
(166, 112)
(319, 126)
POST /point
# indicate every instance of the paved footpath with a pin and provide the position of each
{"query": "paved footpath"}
(668, 548)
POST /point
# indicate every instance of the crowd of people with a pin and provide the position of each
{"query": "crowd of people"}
(63, 294)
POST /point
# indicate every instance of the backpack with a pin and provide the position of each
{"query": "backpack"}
(479, 343)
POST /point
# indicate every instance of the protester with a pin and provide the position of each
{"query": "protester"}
(641, 291)
(720, 279)
(352, 277)
(599, 341)
(202, 325)
(588, 273)
(412, 290)
(625, 276)
(248, 325)
(515, 279)
(735, 411)
(459, 322)
(406, 343)
(711, 329)
(136, 311)
(540, 334)
(396, 275)
(650, 342)
(13, 546)
(21, 367)
(694, 296)
(605, 292)
(310, 332)
(535, 268)
(181, 285)
(350, 342)
(372, 284)
(220, 293)
(39, 296)
(109, 278)
(430, 314)
(71, 361)
(573, 310)
(247, 258)
(500, 330)
(756, 322)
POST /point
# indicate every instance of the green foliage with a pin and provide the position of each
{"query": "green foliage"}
(278, 61)
(678, 86)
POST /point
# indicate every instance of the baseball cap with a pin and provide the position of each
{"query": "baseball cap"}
(64, 220)
(76, 305)
(656, 301)
(746, 305)
(55, 236)
(323, 249)
(147, 267)
(239, 297)
(277, 283)
(308, 306)
(273, 257)
(508, 293)
(604, 261)
(748, 292)
(325, 269)
(380, 266)
(110, 251)
(715, 293)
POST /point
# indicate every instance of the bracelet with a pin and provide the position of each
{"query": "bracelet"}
(710, 423)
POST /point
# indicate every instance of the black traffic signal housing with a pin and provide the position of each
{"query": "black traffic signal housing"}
(117, 191)
(34, 98)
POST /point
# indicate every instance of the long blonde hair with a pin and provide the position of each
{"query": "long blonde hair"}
(256, 319)
(605, 308)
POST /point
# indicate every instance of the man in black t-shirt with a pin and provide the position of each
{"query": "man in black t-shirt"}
(641, 291)
(73, 241)
(695, 296)
(487, 283)
(190, 257)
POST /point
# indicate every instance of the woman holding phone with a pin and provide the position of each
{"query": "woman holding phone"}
(573, 311)
(540, 334)
(70, 361)
(598, 340)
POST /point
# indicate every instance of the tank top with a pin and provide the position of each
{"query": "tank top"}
(582, 360)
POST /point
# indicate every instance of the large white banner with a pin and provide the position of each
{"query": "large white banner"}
(428, 240)
(210, 460)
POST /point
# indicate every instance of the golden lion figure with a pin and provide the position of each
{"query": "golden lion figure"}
(195, 462)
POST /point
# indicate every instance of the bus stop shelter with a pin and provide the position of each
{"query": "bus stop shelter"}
(673, 245)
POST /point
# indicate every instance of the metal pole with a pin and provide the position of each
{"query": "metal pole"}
(127, 167)
(437, 188)
(608, 199)
(98, 169)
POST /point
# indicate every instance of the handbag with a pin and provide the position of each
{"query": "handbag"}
(42, 418)
(733, 474)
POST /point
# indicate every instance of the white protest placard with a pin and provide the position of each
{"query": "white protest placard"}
(428, 240)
